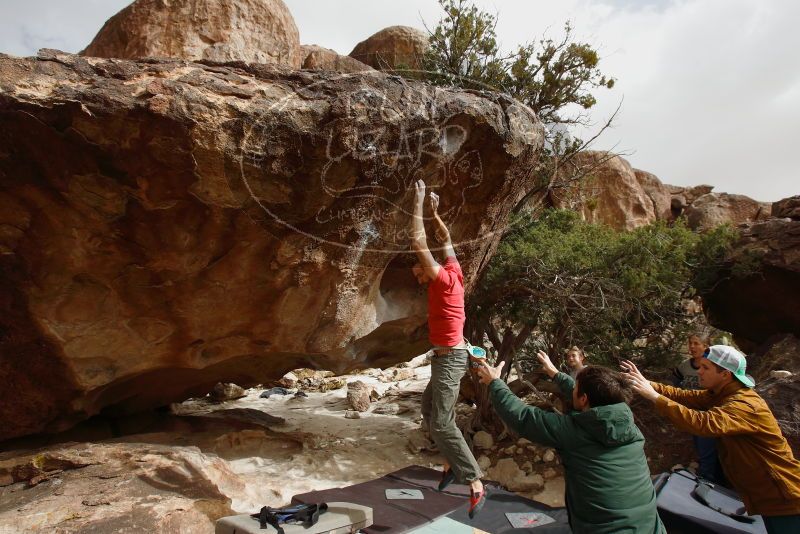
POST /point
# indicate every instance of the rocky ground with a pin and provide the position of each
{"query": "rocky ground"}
(236, 450)
(178, 471)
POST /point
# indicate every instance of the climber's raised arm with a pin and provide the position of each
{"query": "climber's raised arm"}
(442, 233)
(419, 242)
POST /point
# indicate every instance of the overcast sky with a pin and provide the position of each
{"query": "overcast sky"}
(711, 88)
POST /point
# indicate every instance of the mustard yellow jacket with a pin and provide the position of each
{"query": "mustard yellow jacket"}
(754, 455)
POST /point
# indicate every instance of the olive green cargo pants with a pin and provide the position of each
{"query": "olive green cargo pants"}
(438, 414)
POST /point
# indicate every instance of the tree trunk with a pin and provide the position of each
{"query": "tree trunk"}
(506, 348)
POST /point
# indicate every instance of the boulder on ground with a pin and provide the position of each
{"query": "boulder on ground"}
(483, 440)
(358, 395)
(508, 473)
(226, 391)
(330, 384)
(389, 408)
(549, 473)
(289, 380)
(780, 373)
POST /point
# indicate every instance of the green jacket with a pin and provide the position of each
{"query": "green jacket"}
(608, 486)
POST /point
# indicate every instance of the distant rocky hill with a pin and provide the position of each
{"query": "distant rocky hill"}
(614, 193)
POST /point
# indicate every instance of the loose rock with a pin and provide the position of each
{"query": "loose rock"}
(358, 395)
(289, 380)
(389, 408)
(780, 374)
(549, 473)
(226, 391)
(508, 473)
(483, 440)
(484, 462)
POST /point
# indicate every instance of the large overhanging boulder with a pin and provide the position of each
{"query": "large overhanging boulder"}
(167, 225)
(261, 31)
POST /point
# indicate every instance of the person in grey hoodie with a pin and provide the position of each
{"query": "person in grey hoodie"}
(608, 485)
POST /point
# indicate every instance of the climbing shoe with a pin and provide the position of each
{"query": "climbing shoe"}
(447, 478)
(476, 502)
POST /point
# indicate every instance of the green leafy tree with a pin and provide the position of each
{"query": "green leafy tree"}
(548, 75)
(559, 281)
(553, 77)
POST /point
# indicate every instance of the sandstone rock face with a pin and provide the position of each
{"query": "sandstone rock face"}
(713, 209)
(776, 367)
(121, 488)
(165, 226)
(611, 192)
(319, 58)
(762, 311)
(787, 208)
(259, 31)
(765, 304)
(395, 47)
(778, 357)
(657, 192)
(682, 197)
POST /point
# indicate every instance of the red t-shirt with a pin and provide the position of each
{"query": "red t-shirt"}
(446, 305)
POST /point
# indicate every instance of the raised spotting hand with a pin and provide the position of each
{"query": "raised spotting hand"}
(487, 373)
(639, 384)
(547, 364)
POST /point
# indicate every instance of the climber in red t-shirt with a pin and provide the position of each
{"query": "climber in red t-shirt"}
(450, 360)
